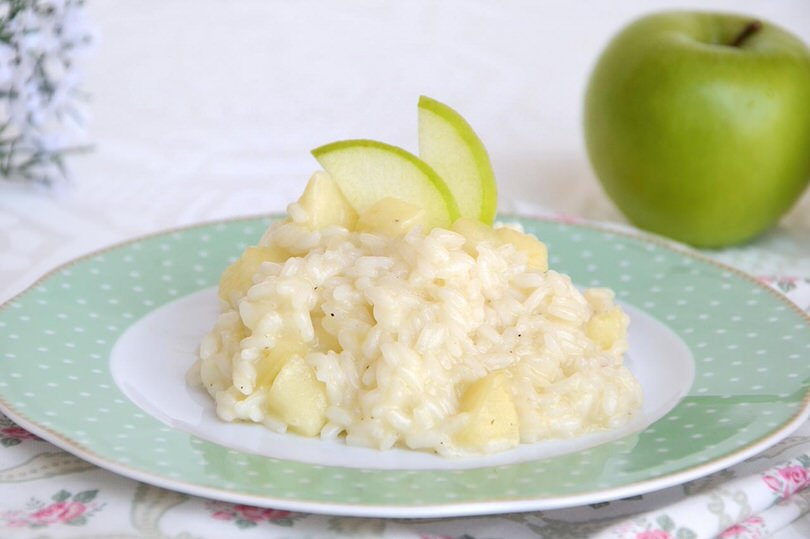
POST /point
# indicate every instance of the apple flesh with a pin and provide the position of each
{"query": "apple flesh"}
(368, 171)
(449, 145)
(698, 125)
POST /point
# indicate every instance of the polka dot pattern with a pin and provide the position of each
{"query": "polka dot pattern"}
(748, 344)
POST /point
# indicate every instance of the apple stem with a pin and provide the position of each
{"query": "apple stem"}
(750, 29)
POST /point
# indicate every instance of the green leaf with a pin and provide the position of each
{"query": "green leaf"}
(243, 523)
(85, 496)
(666, 523)
(685, 533)
(9, 442)
(78, 521)
(61, 496)
(786, 286)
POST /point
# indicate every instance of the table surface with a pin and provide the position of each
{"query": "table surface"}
(203, 110)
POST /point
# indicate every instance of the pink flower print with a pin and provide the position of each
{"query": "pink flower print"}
(276, 514)
(63, 508)
(773, 483)
(796, 477)
(654, 534)
(734, 531)
(249, 512)
(257, 514)
(11, 434)
(788, 481)
(784, 284)
(17, 433)
(746, 529)
(248, 516)
(58, 512)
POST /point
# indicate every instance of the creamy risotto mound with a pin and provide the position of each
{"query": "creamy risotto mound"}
(373, 329)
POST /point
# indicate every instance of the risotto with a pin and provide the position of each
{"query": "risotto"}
(377, 331)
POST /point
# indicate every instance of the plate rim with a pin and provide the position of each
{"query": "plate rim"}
(432, 509)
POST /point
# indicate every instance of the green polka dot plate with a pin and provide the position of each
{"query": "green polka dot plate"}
(93, 359)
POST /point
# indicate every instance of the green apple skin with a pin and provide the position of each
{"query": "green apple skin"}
(695, 138)
(450, 145)
(367, 171)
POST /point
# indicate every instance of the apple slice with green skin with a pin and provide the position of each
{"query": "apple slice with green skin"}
(368, 171)
(449, 145)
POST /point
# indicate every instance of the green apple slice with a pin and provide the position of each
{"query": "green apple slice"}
(368, 171)
(449, 145)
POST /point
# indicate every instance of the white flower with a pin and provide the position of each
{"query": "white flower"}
(39, 82)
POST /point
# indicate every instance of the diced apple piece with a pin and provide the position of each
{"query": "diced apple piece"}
(238, 277)
(606, 327)
(449, 145)
(474, 232)
(298, 398)
(274, 359)
(534, 248)
(392, 217)
(325, 204)
(600, 299)
(268, 367)
(367, 171)
(493, 420)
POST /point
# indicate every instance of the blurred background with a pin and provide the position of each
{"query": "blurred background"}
(207, 109)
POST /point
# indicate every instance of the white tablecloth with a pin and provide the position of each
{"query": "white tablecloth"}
(204, 109)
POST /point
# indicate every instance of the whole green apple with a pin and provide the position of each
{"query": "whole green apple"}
(698, 124)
